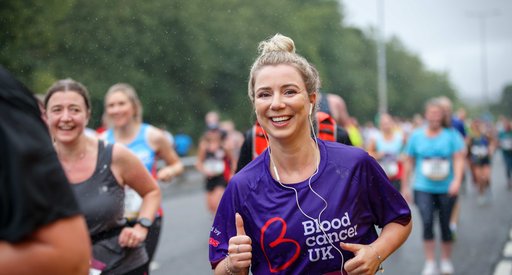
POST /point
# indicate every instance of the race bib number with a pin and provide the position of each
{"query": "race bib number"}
(390, 167)
(132, 203)
(479, 151)
(506, 144)
(214, 166)
(435, 168)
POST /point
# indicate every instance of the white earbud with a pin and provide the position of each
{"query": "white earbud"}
(311, 109)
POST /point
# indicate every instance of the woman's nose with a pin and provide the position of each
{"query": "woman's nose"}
(277, 101)
(65, 115)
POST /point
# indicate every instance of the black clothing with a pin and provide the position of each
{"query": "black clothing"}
(34, 190)
(246, 150)
(342, 136)
(216, 162)
(323, 105)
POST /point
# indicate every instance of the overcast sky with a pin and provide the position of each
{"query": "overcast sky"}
(446, 34)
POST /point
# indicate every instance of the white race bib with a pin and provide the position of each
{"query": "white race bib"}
(214, 166)
(390, 167)
(132, 203)
(435, 168)
(479, 150)
(506, 144)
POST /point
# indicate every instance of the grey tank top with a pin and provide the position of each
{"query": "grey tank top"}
(100, 197)
(101, 200)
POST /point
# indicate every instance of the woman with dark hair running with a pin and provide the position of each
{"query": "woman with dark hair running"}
(98, 173)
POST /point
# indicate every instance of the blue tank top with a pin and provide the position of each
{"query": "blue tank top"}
(139, 146)
(391, 147)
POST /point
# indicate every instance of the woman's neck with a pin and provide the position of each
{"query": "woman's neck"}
(294, 162)
(126, 133)
(433, 130)
(72, 151)
(388, 134)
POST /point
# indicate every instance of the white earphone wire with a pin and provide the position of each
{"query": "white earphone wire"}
(326, 204)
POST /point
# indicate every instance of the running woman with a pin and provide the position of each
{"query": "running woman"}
(386, 147)
(436, 155)
(480, 150)
(304, 206)
(98, 174)
(123, 113)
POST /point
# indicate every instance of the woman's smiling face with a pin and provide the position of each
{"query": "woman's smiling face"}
(66, 115)
(119, 109)
(281, 101)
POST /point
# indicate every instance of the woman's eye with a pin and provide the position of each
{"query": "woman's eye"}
(290, 91)
(262, 94)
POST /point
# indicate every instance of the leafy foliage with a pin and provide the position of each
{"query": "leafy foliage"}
(186, 57)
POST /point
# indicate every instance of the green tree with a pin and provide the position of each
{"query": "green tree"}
(187, 57)
(503, 106)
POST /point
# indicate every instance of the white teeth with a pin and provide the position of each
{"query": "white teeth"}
(65, 127)
(279, 119)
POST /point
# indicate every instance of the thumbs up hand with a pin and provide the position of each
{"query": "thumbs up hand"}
(239, 249)
(365, 261)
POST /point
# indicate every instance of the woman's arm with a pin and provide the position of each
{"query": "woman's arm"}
(408, 165)
(61, 247)
(130, 171)
(393, 235)
(368, 258)
(232, 163)
(174, 167)
(201, 155)
(493, 144)
(458, 172)
(372, 149)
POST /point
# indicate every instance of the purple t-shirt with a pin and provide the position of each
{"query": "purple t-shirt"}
(284, 241)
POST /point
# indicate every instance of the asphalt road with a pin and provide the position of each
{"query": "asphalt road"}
(481, 236)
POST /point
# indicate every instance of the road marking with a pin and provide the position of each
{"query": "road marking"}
(507, 251)
(503, 268)
(154, 266)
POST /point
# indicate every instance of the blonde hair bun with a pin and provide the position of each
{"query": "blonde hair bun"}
(277, 43)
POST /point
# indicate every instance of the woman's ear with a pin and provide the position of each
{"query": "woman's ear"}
(312, 100)
(88, 117)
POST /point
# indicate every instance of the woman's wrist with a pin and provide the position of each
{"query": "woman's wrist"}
(171, 171)
(141, 229)
(379, 258)
(229, 268)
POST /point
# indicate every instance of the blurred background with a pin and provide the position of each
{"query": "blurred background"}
(186, 57)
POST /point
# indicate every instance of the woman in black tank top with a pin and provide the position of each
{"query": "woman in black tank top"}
(98, 174)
